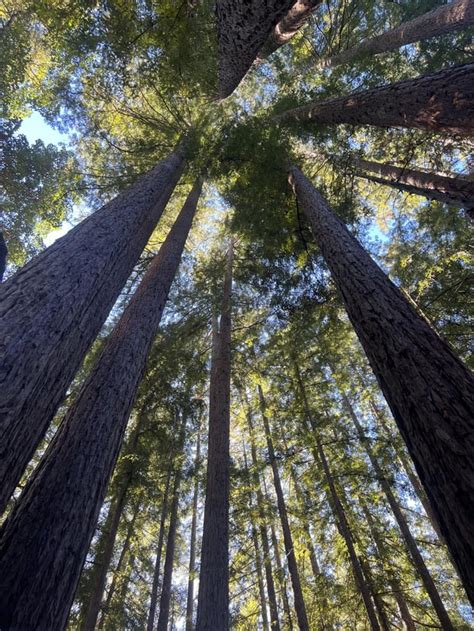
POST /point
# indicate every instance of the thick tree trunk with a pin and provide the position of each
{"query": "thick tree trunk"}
(444, 19)
(288, 26)
(429, 390)
(159, 551)
(40, 566)
(440, 102)
(213, 596)
(409, 539)
(192, 544)
(52, 310)
(455, 191)
(3, 255)
(243, 27)
(299, 604)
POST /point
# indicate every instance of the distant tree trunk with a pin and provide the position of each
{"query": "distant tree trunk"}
(444, 19)
(440, 102)
(53, 308)
(409, 539)
(243, 27)
(159, 551)
(288, 26)
(3, 255)
(281, 575)
(192, 545)
(213, 596)
(299, 604)
(429, 390)
(456, 191)
(40, 567)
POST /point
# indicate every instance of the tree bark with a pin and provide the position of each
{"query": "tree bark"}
(53, 308)
(192, 545)
(440, 102)
(299, 603)
(280, 573)
(444, 19)
(409, 539)
(456, 191)
(429, 390)
(243, 27)
(3, 255)
(40, 567)
(213, 596)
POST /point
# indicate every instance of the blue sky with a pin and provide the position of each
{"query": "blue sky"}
(35, 127)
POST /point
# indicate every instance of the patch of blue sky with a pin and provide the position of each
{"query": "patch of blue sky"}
(36, 128)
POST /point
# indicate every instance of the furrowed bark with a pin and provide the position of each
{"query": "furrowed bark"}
(444, 19)
(429, 390)
(440, 102)
(53, 308)
(213, 596)
(46, 536)
(3, 255)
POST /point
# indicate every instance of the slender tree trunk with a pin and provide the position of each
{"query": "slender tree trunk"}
(159, 551)
(440, 102)
(456, 191)
(213, 596)
(3, 255)
(429, 390)
(243, 27)
(52, 310)
(288, 26)
(40, 567)
(281, 575)
(299, 604)
(192, 545)
(409, 539)
(444, 19)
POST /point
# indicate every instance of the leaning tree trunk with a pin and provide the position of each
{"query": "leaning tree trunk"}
(440, 102)
(456, 191)
(243, 27)
(429, 390)
(299, 603)
(213, 596)
(192, 545)
(52, 310)
(444, 19)
(409, 539)
(3, 255)
(40, 567)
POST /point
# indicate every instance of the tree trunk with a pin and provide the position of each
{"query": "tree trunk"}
(213, 596)
(281, 575)
(444, 19)
(53, 308)
(40, 567)
(192, 545)
(429, 390)
(3, 255)
(299, 604)
(288, 26)
(440, 102)
(243, 27)
(159, 551)
(409, 539)
(455, 191)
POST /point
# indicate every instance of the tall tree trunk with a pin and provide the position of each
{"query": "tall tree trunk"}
(52, 310)
(192, 545)
(243, 27)
(444, 19)
(429, 390)
(288, 26)
(213, 596)
(440, 102)
(456, 191)
(280, 574)
(3, 255)
(299, 603)
(409, 539)
(305, 526)
(159, 551)
(40, 567)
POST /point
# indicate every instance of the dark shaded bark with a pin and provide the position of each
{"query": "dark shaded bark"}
(213, 596)
(53, 308)
(3, 255)
(40, 566)
(429, 390)
(439, 102)
(456, 191)
(444, 19)
(299, 603)
(192, 544)
(243, 27)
